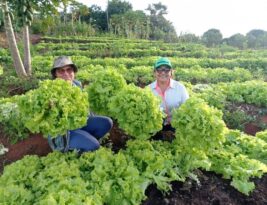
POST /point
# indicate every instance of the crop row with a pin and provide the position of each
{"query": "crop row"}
(202, 141)
(190, 50)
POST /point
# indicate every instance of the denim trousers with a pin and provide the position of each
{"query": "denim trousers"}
(86, 138)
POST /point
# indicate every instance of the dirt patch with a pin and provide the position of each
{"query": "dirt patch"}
(212, 190)
(264, 119)
(247, 118)
(117, 137)
(251, 128)
(36, 144)
(260, 124)
(3, 41)
(34, 39)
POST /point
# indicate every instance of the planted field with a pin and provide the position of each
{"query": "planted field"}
(218, 154)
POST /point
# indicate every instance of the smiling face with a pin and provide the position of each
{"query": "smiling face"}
(163, 74)
(65, 73)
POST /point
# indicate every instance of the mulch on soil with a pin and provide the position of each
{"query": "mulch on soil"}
(212, 189)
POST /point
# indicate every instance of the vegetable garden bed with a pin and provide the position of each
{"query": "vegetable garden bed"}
(212, 188)
(232, 82)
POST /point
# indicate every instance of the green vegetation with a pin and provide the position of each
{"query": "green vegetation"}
(10, 119)
(51, 110)
(106, 84)
(226, 81)
(137, 111)
(198, 126)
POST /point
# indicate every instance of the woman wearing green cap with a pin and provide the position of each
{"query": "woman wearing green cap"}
(86, 138)
(171, 92)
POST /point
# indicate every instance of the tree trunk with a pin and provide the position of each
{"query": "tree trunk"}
(65, 14)
(27, 51)
(12, 43)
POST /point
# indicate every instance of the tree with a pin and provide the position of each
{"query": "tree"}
(118, 7)
(97, 18)
(24, 12)
(160, 27)
(188, 38)
(132, 24)
(78, 10)
(237, 40)
(12, 40)
(23, 9)
(157, 9)
(212, 37)
(257, 38)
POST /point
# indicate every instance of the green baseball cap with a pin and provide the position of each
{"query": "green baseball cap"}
(162, 61)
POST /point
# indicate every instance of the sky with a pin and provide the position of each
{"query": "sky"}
(198, 16)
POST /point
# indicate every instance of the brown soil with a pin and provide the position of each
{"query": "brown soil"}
(3, 41)
(212, 190)
(34, 39)
(260, 124)
(258, 117)
(251, 128)
(117, 138)
(264, 119)
(35, 144)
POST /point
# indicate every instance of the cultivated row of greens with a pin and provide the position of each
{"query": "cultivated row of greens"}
(104, 177)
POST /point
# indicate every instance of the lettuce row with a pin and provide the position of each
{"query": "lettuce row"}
(262, 135)
(103, 177)
(237, 167)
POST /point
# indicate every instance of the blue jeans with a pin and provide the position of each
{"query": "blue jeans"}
(86, 138)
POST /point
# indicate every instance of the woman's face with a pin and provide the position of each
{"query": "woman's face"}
(163, 73)
(65, 73)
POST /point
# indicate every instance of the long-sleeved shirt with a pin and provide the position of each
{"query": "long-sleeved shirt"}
(173, 97)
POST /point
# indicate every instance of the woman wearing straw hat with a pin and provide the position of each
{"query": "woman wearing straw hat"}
(86, 138)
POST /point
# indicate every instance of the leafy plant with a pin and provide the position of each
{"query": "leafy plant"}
(140, 76)
(55, 107)
(236, 119)
(253, 147)
(156, 162)
(213, 96)
(240, 158)
(237, 167)
(262, 135)
(137, 111)
(198, 125)
(106, 84)
(10, 119)
(251, 92)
